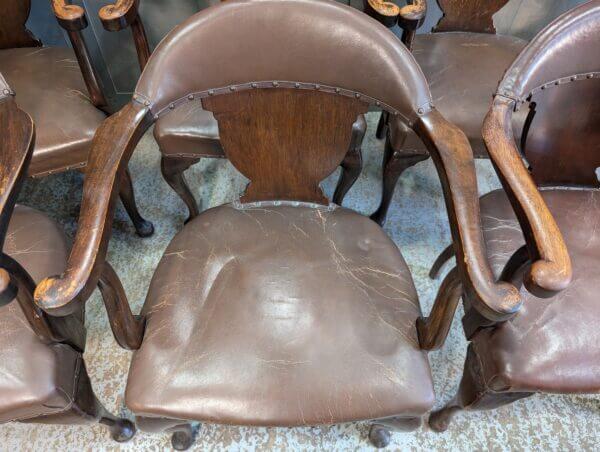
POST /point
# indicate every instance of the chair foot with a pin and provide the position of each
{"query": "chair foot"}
(439, 420)
(143, 227)
(183, 437)
(379, 436)
(122, 430)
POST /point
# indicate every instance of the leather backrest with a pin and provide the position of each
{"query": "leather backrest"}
(558, 73)
(568, 49)
(311, 44)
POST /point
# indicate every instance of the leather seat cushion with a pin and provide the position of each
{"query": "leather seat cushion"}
(551, 345)
(51, 89)
(280, 315)
(35, 379)
(463, 71)
(189, 131)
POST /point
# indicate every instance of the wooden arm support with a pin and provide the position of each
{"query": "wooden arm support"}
(73, 19)
(112, 147)
(452, 155)
(550, 271)
(123, 14)
(409, 17)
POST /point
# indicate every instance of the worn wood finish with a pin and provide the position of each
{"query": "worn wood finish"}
(70, 17)
(128, 329)
(383, 11)
(409, 17)
(352, 163)
(551, 270)
(112, 147)
(468, 15)
(13, 32)
(453, 158)
(434, 329)
(260, 133)
(123, 14)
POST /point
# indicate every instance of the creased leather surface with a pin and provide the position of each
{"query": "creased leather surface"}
(35, 379)
(311, 41)
(51, 90)
(463, 71)
(280, 316)
(189, 130)
(551, 345)
(574, 37)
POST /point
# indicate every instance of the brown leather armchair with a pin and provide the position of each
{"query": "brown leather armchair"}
(463, 60)
(280, 308)
(42, 372)
(550, 344)
(59, 89)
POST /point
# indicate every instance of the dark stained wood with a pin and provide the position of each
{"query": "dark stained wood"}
(434, 329)
(13, 32)
(286, 141)
(444, 256)
(452, 155)
(352, 163)
(385, 12)
(468, 15)
(127, 328)
(123, 14)
(551, 270)
(112, 147)
(409, 17)
(70, 17)
(172, 169)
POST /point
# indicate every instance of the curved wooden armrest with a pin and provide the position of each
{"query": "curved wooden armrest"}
(122, 14)
(409, 17)
(550, 271)
(17, 139)
(413, 14)
(452, 155)
(70, 17)
(112, 147)
(385, 12)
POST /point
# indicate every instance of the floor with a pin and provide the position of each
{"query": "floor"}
(418, 225)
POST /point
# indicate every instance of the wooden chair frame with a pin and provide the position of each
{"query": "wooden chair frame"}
(16, 285)
(73, 20)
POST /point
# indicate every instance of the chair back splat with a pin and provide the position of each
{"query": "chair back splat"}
(13, 32)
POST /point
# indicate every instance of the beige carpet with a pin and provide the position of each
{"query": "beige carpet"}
(418, 225)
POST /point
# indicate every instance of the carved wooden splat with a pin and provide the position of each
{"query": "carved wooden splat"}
(469, 15)
(13, 33)
(285, 140)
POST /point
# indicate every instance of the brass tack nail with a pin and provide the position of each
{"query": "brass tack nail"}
(297, 85)
(232, 88)
(357, 95)
(211, 92)
(254, 85)
(337, 90)
(590, 75)
(276, 84)
(147, 103)
(378, 103)
(172, 106)
(6, 91)
(573, 79)
(191, 97)
(420, 111)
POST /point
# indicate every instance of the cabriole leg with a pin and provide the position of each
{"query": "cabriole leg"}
(352, 163)
(380, 432)
(444, 257)
(143, 227)
(172, 169)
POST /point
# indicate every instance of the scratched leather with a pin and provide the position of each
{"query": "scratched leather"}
(463, 71)
(288, 44)
(551, 345)
(35, 379)
(280, 315)
(51, 89)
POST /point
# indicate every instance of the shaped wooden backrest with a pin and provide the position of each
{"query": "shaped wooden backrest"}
(285, 140)
(468, 15)
(13, 33)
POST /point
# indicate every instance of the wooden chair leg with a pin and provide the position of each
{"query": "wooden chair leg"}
(143, 227)
(395, 163)
(172, 170)
(473, 394)
(380, 431)
(352, 163)
(433, 330)
(444, 257)
(382, 125)
(183, 436)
